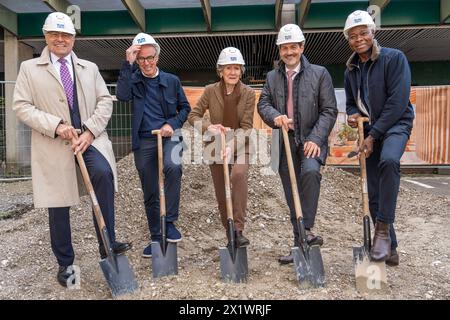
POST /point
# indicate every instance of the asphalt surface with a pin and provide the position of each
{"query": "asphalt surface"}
(435, 184)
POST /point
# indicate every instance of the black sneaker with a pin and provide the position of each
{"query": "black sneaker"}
(64, 274)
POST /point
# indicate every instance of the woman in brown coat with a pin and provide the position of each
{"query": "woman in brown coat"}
(231, 105)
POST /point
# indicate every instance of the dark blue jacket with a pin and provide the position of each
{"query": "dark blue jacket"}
(389, 85)
(130, 86)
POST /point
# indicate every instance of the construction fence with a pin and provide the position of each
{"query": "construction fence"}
(428, 145)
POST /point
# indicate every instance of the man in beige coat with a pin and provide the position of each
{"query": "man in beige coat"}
(54, 95)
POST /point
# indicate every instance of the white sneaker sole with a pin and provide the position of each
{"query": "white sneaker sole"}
(174, 240)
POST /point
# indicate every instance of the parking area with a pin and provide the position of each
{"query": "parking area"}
(435, 184)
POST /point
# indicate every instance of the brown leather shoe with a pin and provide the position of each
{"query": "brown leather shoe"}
(381, 249)
(393, 260)
(312, 239)
(286, 259)
(241, 240)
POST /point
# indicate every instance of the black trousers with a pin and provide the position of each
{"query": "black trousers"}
(102, 180)
(146, 161)
(307, 172)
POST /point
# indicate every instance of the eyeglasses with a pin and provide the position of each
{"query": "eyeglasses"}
(148, 59)
(55, 35)
(354, 37)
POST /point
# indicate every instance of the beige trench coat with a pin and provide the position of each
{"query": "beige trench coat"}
(40, 102)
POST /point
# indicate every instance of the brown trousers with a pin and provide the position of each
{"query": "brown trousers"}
(239, 190)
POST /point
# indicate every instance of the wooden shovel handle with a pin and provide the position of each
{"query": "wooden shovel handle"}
(162, 196)
(287, 146)
(226, 176)
(362, 163)
(87, 181)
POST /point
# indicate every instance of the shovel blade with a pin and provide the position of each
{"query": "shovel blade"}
(309, 267)
(370, 276)
(118, 275)
(234, 271)
(164, 264)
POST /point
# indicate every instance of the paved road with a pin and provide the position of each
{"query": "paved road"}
(436, 184)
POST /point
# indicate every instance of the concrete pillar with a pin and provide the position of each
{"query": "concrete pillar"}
(17, 135)
(11, 69)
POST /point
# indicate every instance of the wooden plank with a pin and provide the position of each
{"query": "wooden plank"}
(8, 20)
(137, 12)
(303, 12)
(206, 7)
(445, 11)
(57, 5)
(278, 11)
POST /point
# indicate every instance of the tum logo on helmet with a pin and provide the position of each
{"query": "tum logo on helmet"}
(233, 58)
(288, 37)
(140, 40)
(357, 20)
(60, 25)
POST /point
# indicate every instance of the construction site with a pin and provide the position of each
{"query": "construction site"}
(191, 35)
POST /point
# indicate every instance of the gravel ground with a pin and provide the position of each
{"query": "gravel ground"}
(28, 267)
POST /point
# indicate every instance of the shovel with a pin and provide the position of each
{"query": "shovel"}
(308, 262)
(116, 268)
(164, 254)
(369, 275)
(233, 259)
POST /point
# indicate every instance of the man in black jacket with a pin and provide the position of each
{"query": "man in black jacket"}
(377, 86)
(299, 96)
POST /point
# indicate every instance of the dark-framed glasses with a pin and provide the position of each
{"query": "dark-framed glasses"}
(147, 59)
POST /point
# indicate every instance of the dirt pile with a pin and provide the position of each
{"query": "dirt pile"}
(28, 268)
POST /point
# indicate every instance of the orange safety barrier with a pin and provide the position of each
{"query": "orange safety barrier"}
(432, 124)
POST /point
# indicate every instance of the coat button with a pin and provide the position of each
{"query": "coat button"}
(61, 100)
(66, 143)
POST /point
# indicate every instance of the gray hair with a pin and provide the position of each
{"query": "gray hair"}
(220, 68)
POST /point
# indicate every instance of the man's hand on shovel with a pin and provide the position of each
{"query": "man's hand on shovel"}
(82, 142)
(366, 147)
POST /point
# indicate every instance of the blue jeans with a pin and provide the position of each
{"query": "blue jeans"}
(383, 175)
(146, 161)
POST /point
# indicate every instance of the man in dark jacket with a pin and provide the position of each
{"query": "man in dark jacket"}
(300, 97)
(377, 86)
(159, 102)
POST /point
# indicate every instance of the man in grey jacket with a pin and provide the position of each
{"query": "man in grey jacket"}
(299, 96)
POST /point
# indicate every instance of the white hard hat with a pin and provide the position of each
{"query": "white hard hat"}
(60, 22)
(358, 18)
(230, 55)
(290, 33)
(144, 38)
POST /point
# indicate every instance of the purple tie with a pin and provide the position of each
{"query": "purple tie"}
(66, 81)
(289, 104)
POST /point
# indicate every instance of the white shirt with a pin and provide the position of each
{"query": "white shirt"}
(297, 70)
(57, 65)
(156, 74)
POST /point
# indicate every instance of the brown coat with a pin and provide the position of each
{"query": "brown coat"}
(212, 100)
(40, 102)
